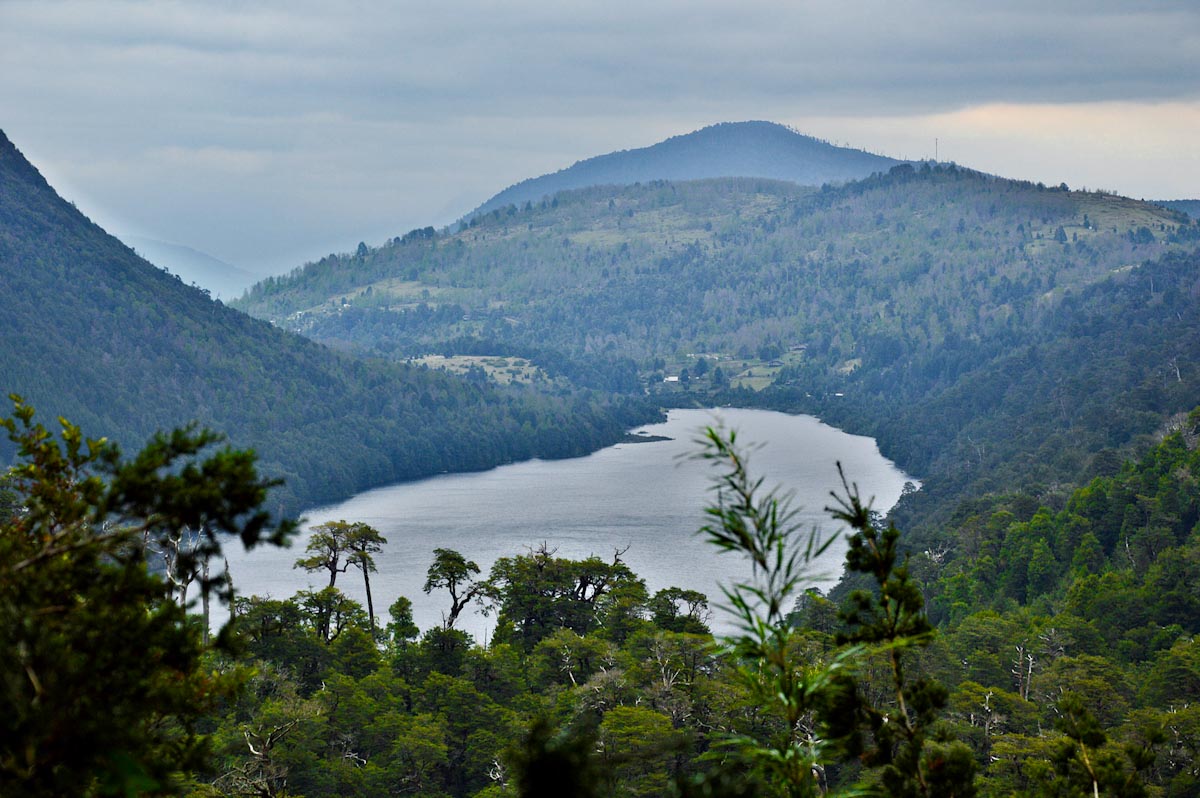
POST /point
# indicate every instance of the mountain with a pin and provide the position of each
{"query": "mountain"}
(728, 149)
(96, 334)
(974, 325)
(731, 267)
(200, 269)
(1190, 207)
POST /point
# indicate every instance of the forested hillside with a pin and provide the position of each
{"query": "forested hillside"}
(879, 268)
(729, 149)
(1053, 401)
(94, 333)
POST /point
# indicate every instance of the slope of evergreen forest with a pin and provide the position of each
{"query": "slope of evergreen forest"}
(94, 333)
(728, 149)
(1056, 400)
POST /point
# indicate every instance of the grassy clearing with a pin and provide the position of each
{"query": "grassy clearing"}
(503, 370)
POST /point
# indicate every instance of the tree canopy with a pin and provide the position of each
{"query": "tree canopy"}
(102, 686)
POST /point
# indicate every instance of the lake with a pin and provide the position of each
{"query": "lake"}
(645, 498)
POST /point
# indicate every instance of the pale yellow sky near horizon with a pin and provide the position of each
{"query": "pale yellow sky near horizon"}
(1130, 148)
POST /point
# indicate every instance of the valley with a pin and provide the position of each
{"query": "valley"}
(1029, 353)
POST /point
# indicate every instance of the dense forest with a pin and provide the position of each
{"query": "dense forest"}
(1059, 633)
(1049, 651)
(94, 333)
(1039, 409)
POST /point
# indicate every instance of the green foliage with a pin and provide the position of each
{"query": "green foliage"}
(606, 699)
(1081, 766)
(336, 546)
(103, 684)
(914, 757)
(677, 610)
(796, 692)
(821, 705)
(536, 593)
(456, 574)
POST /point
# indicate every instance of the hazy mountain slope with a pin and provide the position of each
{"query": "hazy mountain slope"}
(1190, 207)
(220, 279)
(94, 333)
(729, 149)
(894, 264)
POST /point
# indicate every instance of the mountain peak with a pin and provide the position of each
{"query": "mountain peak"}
(726, 149)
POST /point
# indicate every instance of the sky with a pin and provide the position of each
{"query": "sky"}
(271, 133)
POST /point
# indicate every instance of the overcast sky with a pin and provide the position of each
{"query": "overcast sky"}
(270, 133)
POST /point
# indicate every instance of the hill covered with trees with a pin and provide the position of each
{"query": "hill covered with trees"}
(731, 267)
(94, 333)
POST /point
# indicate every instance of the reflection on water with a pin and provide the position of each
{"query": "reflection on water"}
(646, 499)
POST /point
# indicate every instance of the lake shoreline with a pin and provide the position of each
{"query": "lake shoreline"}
(647, 499)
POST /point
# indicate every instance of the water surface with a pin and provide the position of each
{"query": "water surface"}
(646, 499)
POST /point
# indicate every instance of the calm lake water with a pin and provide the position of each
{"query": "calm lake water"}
(646, 498)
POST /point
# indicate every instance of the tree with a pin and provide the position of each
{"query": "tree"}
(912, 757)
(790, 753)
(402, 629)
(537, 593)
(336, 546)
(362, 541)
(101, 683)
(1082, 765)
(330, 611)
(678, 610)
(636, 745)
(455, 573)
(327, 549)
(818, 705)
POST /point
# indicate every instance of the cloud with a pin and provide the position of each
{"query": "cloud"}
(219, 160)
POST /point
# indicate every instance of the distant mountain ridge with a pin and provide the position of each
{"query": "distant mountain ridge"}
(727, 149)
(1190, 207)
(223, 280)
